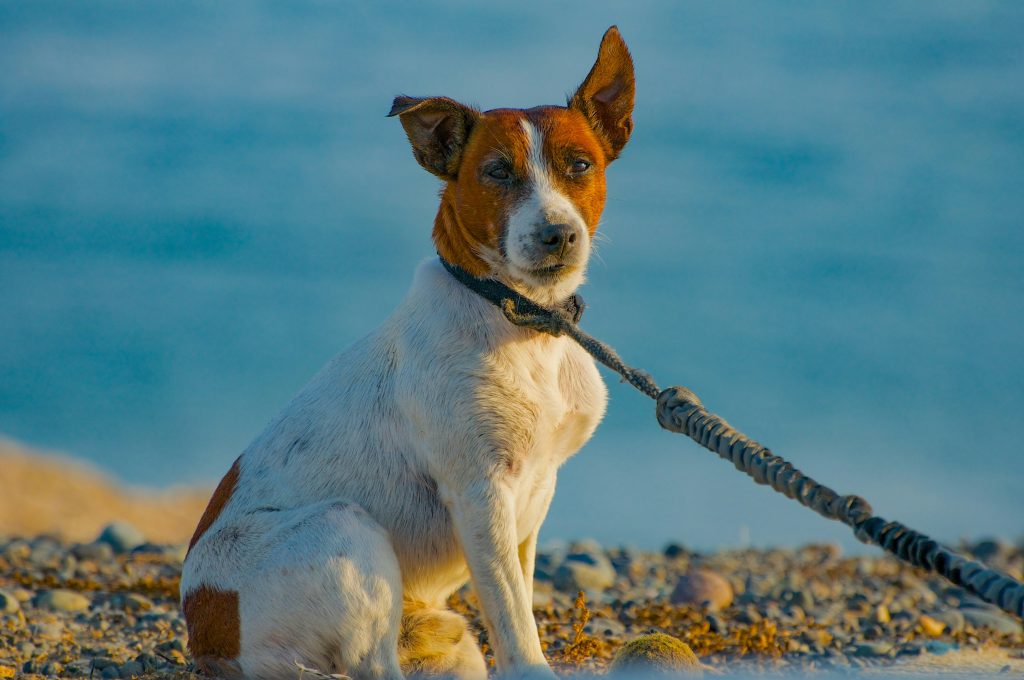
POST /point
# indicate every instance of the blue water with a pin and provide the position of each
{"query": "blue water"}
(817, 226)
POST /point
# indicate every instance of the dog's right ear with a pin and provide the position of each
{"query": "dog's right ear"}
(606, 96)
(438, 128)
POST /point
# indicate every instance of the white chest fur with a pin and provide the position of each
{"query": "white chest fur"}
(515, 401)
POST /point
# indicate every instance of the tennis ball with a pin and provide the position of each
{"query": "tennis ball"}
(656, 653)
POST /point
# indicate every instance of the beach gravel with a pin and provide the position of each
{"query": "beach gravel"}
(89, 610)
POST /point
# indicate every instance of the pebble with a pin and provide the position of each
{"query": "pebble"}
(702, 588)
(93, 552)
(62, 600)
(952, 618)
(674, 550)
(817, 636)
(132, 669)
(991, 548)
(718, 624)
(589, 571)
(132, 602)
(938, 647)
(47, 630)
(122, 537)
(873, 649)
(52, 668)
(931, 627)
(9, 604)
(991, 618)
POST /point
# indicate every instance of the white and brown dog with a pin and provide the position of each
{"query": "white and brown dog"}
(426, 454)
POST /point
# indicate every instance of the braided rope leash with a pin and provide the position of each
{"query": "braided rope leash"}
(680, 410)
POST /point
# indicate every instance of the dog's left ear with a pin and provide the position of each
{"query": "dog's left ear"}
(606, 96)
(438, 128)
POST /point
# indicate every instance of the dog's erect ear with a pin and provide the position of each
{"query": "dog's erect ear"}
(438, 128)
(606, 96)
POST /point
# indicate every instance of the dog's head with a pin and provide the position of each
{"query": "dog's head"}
(525, 187)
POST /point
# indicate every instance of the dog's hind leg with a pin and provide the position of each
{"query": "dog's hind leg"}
(317, 585)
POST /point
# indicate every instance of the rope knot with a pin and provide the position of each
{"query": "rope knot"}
(550, 321)
(675, 406)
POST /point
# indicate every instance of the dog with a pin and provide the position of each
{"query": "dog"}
(425, 455)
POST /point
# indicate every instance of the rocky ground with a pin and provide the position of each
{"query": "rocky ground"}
(109, 608)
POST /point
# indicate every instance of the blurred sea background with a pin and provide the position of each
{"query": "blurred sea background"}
(818, 226)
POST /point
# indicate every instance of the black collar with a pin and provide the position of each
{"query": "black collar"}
(497, 293)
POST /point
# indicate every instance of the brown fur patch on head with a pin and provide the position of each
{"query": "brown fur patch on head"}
(214, 628)
(220, 498)
(568, 137)
(475, 208)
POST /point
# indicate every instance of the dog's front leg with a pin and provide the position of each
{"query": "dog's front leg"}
(484, 518)
(528, 563)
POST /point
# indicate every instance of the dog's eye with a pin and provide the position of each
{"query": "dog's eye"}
(579, 166)
(499, 172)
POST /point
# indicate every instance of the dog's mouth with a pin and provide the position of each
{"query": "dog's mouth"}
(550, 270)
(552, 273)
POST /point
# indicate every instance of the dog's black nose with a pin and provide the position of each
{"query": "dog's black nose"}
(558, 238)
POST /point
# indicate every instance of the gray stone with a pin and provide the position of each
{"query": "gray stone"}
(991, 618)
(62, 600)
(52, 669)
(749, 616)
(149, 662)
(938, 647)
(802, 599)
(8, 603)
(175, 645)
(991, 548)
(122, 537)
(702, 588)
(953, 619)
(17, 550)
(674, 550)
(111, 673)
(132, 602)
(132, 669)
(584, 571)
(51, 630)
(93, 552)
(873, 649)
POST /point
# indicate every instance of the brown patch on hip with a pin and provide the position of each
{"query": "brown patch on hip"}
(214, 629)
(217, 502)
